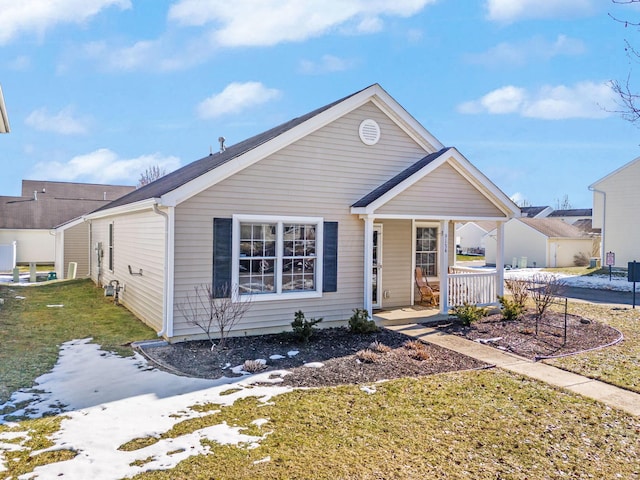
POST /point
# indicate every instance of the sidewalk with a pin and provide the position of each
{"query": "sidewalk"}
(603, 392)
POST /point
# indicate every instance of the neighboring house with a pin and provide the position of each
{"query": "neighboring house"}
(536, 212)
(470, 236)
(30, 219)
(326, 213)
(572, 216)
(4, 118)
(616, 202)
(540, 242)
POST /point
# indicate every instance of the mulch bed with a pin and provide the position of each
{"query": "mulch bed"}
(340, 352)
(335, 348)
(546, 339)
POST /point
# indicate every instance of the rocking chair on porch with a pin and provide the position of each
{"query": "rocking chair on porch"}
(427, 293)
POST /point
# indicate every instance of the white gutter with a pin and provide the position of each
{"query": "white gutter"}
(165, 283)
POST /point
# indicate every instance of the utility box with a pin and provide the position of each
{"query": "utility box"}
(633, 271)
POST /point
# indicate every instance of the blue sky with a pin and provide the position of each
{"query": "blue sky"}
(99, 90)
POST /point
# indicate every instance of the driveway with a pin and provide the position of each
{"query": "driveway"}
(601, 296)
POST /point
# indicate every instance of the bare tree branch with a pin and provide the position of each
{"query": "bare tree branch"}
(211, 314)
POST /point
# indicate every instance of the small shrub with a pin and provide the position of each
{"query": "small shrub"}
(367, 356)
(414, 345)
(420, 355)
(379, 347)
(510, 309)
(469, 313)
(519, 289)
(253, 366)
(417, 350)
(303, 328)
(581, 259)
(360, 323)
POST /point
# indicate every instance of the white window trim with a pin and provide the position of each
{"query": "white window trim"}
(280, 221)
(417, 225)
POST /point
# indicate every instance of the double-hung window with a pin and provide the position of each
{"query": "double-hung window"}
(277, 257)
(427, 250)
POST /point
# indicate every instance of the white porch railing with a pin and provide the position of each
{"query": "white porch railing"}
(468, 286)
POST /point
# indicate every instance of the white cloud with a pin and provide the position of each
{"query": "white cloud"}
(235, 98)
(582, 100)
(26, 16)
(534, 49)
(104, 166)
(269, 22)
(508, 11)
(20, 63)
(64, 122)
(327, 64)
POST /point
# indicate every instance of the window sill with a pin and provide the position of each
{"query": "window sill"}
(271, 297)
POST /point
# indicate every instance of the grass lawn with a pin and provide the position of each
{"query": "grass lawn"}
(619, 364)
(31, 332)
(479, 424)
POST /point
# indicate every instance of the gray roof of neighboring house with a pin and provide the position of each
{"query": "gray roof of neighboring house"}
(572, 212)
(399, 178)
(553, 227)
(197, 168)
(531, 212)
(586, 225)
(45, 204)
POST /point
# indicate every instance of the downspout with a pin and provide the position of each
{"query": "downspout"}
(604, 221)
(165, 283)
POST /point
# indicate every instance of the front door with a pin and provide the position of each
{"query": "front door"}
(376, 282)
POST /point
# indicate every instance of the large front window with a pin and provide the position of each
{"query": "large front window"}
(427, 250)
(278, 257)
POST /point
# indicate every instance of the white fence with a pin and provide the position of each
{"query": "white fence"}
(473, 288)
(8, 257)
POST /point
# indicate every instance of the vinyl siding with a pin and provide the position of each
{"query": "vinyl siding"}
(33, 245)
(397, 276)
(321, 175)
(76, 249)
(621, 229)
(138, 242)
(443, 192)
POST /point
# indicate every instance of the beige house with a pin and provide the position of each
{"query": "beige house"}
(329, 212)
(540, 242)
(616, 200)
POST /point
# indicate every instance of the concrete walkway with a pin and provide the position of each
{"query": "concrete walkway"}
(603, 392)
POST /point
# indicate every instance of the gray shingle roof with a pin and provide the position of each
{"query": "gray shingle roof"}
(197, 168)
(553, 227)
(399, 178)
(54, 203)
(531, 212)
(572, 212)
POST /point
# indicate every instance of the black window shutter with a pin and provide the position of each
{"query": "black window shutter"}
(222, 238)
(330, 257)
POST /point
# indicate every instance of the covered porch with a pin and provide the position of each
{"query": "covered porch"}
(398, 248)
(410, 221)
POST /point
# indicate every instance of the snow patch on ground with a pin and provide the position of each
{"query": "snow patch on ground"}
(108, 401)
(600, 282)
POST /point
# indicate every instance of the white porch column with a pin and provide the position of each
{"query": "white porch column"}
(368, 264)
(500, 258)
(444, 266)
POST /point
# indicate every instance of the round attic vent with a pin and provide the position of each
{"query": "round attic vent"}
(369, 132)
